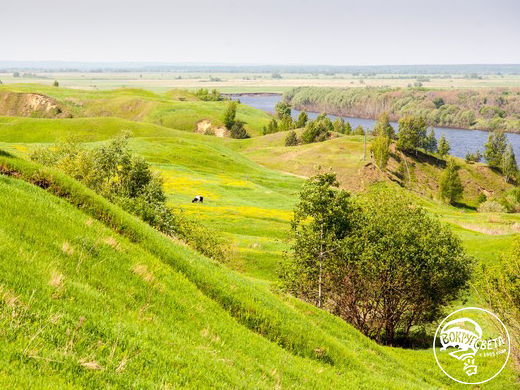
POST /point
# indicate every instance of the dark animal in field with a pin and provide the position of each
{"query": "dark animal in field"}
(198, 199)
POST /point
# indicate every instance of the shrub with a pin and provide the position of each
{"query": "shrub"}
(291, 139)
(359, 131)
(238, 131)
(229, 115)
(491, 206)
(114, 172)
(381, 150)
(450, 186)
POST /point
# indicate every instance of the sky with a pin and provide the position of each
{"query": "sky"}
(332, 32)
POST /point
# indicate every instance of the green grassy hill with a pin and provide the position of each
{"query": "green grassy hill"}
(174, 109)
(92, 297)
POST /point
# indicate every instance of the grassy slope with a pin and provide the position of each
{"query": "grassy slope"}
(253, 204)
(88, 307)
(174, 109)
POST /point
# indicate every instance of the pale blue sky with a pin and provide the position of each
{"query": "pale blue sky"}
(262, 31)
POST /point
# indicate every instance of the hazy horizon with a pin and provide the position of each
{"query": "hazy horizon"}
(268, 32)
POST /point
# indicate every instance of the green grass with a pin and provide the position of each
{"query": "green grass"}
(177, 109)
(86, 299)
(226, 328)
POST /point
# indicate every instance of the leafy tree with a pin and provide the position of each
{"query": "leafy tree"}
(394, 276)
(205, 95)
(291, 139)
(412, 133)
(444, 146)
(348, 128)
(450, 185)
(55, 83)
(321, 220)
(16, 74)
(509, 166)
(381, 150)
(339, 125)
(473, 157)
(272, 127)
(495, 148)
(229, 115)
(383, 126)
(282, 110)
(317, 130)
(286, 123)
(359, 130)
(302, 120)
(238, 130)
(430, 142)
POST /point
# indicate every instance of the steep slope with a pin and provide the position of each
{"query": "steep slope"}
(85, 306)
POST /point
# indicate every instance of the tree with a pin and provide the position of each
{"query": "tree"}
(302, 120)
(381, 150)
(394, 276)
(282, 110)
(439, 102)
(473, 157)
(495, 148)
(450, 186)
(238, 131)
(320, 222)
(430, 142)
(286, 123)
(55, 84)
(317, 130)
(339, 125)
(16, 74)
(229, 115)
(444, 146)
(359, 130)
(412, 133)
(383, 126)
(348, 128)
(272, 127)
(508, 166)
(291, 139)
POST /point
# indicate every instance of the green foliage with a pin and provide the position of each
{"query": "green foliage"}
(381, 150)
(450, 186)
(359, 131)
(302, 120)
(238, 131)
(291, 139)
(430, 142)
(230, 114)
(439, 102)
(282, 110)
(114, 172)
(339, 125)
(491, 206)
(286, 123)
(209, 96)
(412, 133)
(473, 157)
(321, 220)
(383, 126)
(317, 130)
(500, 286)
(444, 147)
(55, 83)
(495, 148)
(348, 128)
(352, 259)
(508, 165)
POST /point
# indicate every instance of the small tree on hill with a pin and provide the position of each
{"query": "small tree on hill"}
(495, 148)
(291, 139)
(383, 126)
(450, 185)
(238, 130)
(282, 110)
(339, 125)
(381, 150)
(302, 120)
(430, 143)
(443, 147)
(55, 84)
(359, 130)
(321, 219)
(412, 133)
(509, 166)
(348, 128)
(229, 115)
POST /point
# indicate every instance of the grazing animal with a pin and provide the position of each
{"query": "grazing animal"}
(198, 199)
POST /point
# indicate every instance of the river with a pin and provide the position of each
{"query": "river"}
(460, 140)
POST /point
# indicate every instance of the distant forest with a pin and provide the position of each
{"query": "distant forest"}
(485, 109)
(62, 66)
